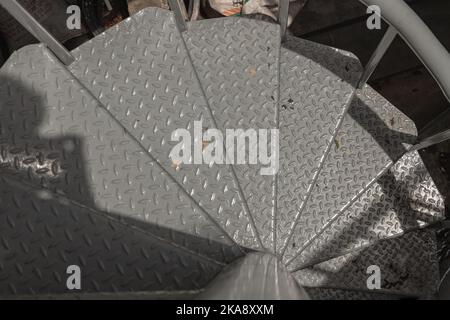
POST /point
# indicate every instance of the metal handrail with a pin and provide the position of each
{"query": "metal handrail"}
(419, 38)
(401, 18)
(407, 24)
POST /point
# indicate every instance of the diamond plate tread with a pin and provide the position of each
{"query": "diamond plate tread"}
(317, 84)
(141, 72)
(374, 134)
(408, 266)
(43, 234)
(340, 294)
(53, 134)
(403, 199)
(237, 63)
(158, 295)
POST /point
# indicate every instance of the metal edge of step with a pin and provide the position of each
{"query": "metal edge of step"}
(56, 234)
(407, 265)
(231, 56)
(144, 295)
(403, 201)
(31, 48)
(336, 293)
(351, 64)
(379, 157)
(77, 71)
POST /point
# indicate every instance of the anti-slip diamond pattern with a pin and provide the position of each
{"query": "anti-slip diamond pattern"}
(237, 63)
(407, 264)
(55, 136)
(373, 135)
(86, 178)
(141, 72)
(403, 199)
(317, 84)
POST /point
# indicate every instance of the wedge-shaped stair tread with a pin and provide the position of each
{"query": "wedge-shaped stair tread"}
(55, 135)
(317, 84)
(374, 134)
(403, 199)
(140, 70)
(408, 265)
(42, 236)
(236, 60)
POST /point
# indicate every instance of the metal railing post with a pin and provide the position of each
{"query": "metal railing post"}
(37, 30)
(180, 13)
(432, 140)
(378, 54)
(283, 16)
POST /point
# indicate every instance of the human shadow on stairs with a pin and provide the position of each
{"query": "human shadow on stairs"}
(50, 219)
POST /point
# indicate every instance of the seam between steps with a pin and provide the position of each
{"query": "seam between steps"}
(341, 212)
(153, 159)
(318, 171)
(233, 172)
(104, 215)
(277, 119)
(346, 252)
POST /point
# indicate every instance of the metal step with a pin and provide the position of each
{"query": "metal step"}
(42, 234)
(403, 199)
(340, 294)
(237, 62)
(408, 266)
(56, 139)
(87, 178)
(257, 276)
(141, 72)
(373, 136)
(317, 85)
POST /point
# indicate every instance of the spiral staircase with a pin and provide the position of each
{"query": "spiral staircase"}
(86, 177)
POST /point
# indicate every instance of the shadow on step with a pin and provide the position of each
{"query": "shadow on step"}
(49, 218)
(393, 143)
(399, 202)
(344, 65)
(372, 232)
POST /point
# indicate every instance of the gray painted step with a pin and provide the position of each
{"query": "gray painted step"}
(408, 266)
(145, 295)
(237, 63)
(141, 72)
(317, 85)
(43, 234)
(374, 134)
(341, 294)
(56, 139)
(87, 177)
(405, 198)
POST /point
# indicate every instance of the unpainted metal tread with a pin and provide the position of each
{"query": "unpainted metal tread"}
(341, 294)
(374, 134)
(236, 60)
(403, 199)
(141, 72)
(43, 234)
(56, 136)
(145, 295)
(317, 83)
(408, 265)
